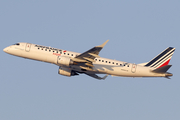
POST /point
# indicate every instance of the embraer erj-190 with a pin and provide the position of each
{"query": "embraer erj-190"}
(91, 64)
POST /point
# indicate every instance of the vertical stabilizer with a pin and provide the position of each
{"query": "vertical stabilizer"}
(162, 59)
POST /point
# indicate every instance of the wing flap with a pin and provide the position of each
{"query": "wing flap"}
(94, 55)
(78, 60)
(89, 64)
(89, 59)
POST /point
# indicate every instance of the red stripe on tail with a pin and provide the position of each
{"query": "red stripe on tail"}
(166, 63)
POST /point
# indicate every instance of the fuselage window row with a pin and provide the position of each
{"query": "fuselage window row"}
(76, 55)
(53, 51)
(109, 62)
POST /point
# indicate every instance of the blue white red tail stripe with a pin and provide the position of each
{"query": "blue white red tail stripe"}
(162, 59)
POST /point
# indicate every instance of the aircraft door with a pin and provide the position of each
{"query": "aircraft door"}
(133, 69)
(58, 60)
(28, 46)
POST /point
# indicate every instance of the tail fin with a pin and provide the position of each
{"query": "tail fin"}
(162, 59)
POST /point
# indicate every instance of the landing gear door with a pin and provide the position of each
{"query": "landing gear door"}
(28, 47)
(133, 69)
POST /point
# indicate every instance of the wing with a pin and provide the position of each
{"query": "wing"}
(89, 56)
(97, 77)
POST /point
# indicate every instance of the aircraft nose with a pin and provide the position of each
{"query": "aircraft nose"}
(6, 49)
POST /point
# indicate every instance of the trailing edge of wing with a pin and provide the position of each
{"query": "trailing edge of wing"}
(89, 59)
(94, 55)
(79, 60)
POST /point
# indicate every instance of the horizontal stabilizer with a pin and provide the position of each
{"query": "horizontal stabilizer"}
(163, 69)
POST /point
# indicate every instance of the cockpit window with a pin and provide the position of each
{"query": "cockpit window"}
(17, 44)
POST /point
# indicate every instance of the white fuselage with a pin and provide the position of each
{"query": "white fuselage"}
(101, 65)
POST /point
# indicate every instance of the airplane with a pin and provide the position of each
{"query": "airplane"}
(90, 63)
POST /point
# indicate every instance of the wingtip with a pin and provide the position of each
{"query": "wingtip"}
(105, 77)
(103, 44)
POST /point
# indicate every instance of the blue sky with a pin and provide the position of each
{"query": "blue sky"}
(137, 32)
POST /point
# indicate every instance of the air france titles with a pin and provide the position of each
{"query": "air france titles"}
(49, 48)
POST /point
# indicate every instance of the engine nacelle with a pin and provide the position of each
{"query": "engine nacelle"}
(66, 72)
(64, 61)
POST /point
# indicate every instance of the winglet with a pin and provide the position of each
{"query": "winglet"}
(103, 44)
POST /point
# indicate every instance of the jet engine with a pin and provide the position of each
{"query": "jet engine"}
(66, 61)
(67, 72)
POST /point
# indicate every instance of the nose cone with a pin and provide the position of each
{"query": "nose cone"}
(6, 49)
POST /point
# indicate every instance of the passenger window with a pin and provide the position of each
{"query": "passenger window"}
(113, 63)
(109, 62)
(106, 61)
(38, 48)
(64, 53)
(71, 54)
(68, 53)
(45, 49)
(42, 49)
(116, 63)
(56, 51)
(102, 60)
(99, 60)
(49, 50)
